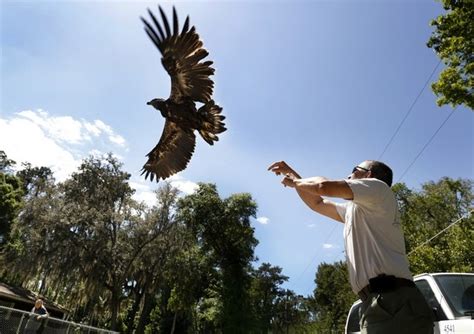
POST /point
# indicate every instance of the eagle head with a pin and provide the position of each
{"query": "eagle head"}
(159, 104)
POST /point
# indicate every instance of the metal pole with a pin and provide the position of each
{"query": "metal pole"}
(19, 325)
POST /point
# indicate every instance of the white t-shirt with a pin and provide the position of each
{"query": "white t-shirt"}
(372, 233)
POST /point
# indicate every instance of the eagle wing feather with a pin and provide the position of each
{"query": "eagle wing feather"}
(181, 56)
(172, 153)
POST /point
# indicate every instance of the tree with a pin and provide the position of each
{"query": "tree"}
(10, 197)
(6, 164)
(333, 297)
(292, 314)
(35, 179)
(223, 231)
(427, 212)
(78, 236)
(265, 291)
(453, 41)
(101, 220)
(39, 198)
(32, 243)
(158, 260)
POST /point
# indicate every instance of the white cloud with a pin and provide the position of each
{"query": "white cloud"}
(100, 127)
(70, 130)
(263, 220)
(25, 141)
(92, 129)
(149, 197)
(57, 142)
(185, 186)
(143, 193)
(329, 246)
(311, 225)
(63, 128)
(117, 139)
(139, 186)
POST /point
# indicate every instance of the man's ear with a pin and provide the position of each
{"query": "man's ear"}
(369, 174)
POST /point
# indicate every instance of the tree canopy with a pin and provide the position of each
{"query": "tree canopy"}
(11, 193)
(453, 41)
(425, 213)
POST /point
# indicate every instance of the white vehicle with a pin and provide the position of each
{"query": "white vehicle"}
(450, 295)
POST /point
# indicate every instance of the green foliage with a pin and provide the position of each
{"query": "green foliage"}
(453, 41)
(6, 164)
(427, 212)
(265, 292)
(292, 314)
(10, 204)
(222, 228)
(10, 197)
(79, 230)
(333, 297)
(35, 179)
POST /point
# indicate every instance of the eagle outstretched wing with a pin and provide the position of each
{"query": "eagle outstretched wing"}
(172, 153)
(182, 53)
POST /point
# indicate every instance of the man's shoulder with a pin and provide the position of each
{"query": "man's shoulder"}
(368, 184)
(370, 181)
(369, 190)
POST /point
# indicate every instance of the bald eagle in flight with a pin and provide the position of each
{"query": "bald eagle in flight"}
(182, 52)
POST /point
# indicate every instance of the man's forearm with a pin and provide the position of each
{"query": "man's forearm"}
(307, 190)
(310, 185)
(310, 199)
(320, 186)
(311, 189)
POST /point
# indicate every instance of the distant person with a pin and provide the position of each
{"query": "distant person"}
(375, 248)
(38, 313)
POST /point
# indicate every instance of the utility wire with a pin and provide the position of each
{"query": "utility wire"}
(409, 110)
(450, 225)
(390, 142)
(316, 255)
(404, 173)
(426, 145)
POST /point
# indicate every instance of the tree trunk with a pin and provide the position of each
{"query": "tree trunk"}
(148, 305)
(174, 322)
(114, 305)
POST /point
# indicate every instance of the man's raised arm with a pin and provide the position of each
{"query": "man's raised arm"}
(311, 189)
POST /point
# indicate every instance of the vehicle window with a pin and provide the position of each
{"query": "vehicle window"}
(459, 292)
(353, 322)
(427, 292)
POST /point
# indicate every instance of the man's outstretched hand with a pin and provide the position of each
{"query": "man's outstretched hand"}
(282, 167)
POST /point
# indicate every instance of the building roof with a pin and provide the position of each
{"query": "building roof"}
(16, 293)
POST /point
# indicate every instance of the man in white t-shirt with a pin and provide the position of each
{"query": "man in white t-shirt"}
(375, 248)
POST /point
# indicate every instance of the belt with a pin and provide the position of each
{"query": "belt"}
(384, 283)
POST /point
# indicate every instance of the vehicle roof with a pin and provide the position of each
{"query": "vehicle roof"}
(443, 274)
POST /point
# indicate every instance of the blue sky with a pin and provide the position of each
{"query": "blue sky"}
(320, 84)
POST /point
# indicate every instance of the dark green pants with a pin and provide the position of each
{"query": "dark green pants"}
(401, 311)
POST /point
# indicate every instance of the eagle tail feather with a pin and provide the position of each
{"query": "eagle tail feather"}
(211, 122)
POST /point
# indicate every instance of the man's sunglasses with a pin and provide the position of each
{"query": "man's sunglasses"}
(356, 168)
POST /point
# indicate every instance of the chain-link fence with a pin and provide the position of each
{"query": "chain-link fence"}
(14, 321)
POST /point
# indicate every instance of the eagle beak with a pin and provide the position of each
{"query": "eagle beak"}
(149, 103)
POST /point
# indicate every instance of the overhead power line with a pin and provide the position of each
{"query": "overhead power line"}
(411, 164)
(426, 145)
(443, 230)
(317, 253)
(409, 110)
